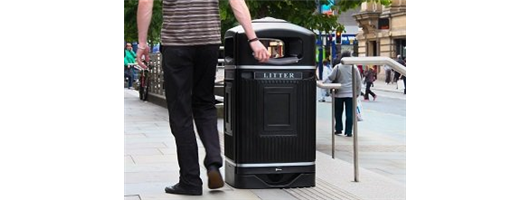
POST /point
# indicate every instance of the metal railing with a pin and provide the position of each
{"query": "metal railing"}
(156, 78)
(332, 87)
(365, 61)
(376, 60)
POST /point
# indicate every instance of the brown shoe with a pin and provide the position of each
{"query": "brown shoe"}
(215, 180)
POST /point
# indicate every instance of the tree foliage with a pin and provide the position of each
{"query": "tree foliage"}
(130, 26)
(304, 13)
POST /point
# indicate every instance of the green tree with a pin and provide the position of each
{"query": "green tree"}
(304, 13)
(130, 26)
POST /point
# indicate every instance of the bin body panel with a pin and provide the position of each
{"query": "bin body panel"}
(272, 119)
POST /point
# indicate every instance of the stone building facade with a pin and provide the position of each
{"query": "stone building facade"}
(382, 29)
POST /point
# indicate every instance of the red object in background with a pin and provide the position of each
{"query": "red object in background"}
(360, 67)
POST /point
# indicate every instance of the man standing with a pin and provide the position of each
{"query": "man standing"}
(190, 38)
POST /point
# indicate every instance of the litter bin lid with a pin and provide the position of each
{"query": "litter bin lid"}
(269, 20)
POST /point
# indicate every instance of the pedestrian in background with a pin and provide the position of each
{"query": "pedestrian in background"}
(129, 61)
(325, 73)
(369, 79)
(388, 72)
(344, 96)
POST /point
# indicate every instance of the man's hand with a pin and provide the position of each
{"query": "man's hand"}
(142, 53)
(240, 9)
(260, 52)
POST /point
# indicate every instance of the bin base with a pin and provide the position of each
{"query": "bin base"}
(258, 178)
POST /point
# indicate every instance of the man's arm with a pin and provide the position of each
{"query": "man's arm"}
(242, 14)
(332, 76)
(143, 18)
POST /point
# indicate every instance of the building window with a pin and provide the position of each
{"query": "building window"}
(383, 23)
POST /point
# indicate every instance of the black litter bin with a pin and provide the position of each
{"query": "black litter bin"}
(270, 107)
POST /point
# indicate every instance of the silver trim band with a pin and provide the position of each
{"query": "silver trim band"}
(295, 164)
(269, 67)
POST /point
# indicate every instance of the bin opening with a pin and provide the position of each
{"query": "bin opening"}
(283, 47)
(283, 51)
(276, 47)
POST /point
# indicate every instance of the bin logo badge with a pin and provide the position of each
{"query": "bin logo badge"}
(278, 75)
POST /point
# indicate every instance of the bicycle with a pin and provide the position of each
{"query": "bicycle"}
(144, 81)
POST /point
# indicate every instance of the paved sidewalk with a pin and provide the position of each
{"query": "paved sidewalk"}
(150, 164)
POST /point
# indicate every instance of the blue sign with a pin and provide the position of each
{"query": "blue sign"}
(327, 8)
